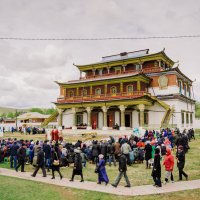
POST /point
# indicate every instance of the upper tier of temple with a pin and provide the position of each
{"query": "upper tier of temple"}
(126, 62)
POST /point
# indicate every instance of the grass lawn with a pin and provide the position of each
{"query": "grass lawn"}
(137, 173)
(18, 189)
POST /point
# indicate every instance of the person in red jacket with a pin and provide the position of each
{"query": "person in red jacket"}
(56, 135)
(169, 166)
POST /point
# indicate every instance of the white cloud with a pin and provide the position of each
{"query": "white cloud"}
(28, 68)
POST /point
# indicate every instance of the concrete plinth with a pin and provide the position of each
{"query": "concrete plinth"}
(122, 128)
(74, 128)
(89, 128)
(105, 128)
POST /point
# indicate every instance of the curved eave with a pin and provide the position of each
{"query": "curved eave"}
(149, 57)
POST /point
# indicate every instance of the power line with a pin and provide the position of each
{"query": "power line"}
(104, 38)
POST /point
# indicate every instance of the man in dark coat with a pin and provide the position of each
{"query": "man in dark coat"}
(47, 152)
(103, 149)
(192, 134)
(95, 152)
(40, 163)
(156, 172)
(148, 154)
(21, 156)
(180, 156)
(77, 165)
(110, 152)
(122, 171)
(13, 154)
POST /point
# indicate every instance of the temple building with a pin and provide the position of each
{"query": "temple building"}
(126, 91)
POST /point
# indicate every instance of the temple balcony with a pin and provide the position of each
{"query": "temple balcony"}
(102, 97)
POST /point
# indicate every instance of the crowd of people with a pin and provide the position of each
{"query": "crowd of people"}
(155, 148)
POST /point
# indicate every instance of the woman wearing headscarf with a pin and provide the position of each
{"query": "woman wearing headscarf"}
(148, 155)
(77, 165)
(101, 170)
(56, 162)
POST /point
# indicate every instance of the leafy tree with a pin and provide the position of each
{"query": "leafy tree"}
(3, 115)
(197, 110)
(39, 110)
(11, 115)
(49, 111)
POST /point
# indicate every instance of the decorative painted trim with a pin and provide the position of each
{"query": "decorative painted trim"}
(129, 102)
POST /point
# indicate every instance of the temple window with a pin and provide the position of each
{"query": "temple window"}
(129, 88)
(187, 118)
(71, 93)
(180, 87)
(185, 89)
(137, 67)
(79, 119)
(118, 70)
(100, 72)
(191, 118)
(182, 117)
(146, 118)
(163, 65)
(156, 64)
(189, 91)
(98, 91)
(113, 90)
(84, 92)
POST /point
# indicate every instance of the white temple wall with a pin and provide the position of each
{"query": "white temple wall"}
(179, 106)
(67, 120)
(84, 118)
(156, 114)
(169, 90)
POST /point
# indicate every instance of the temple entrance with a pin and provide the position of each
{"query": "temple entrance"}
(127, 120)
(94, 120)
(110, 119)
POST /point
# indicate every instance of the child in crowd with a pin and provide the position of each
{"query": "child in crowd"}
(169, 166)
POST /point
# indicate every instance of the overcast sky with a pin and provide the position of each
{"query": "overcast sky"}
(28, 69)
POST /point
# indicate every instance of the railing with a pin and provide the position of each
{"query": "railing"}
(147, 70)
(102, 97)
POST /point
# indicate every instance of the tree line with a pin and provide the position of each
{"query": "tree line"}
(16, 113)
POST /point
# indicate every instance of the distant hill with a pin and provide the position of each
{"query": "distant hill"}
(7, 110)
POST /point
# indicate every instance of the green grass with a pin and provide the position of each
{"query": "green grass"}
(18, 189)
(137, 173)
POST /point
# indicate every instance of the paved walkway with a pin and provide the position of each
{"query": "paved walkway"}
(120, 190)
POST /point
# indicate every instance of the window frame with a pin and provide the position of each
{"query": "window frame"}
(182, 118)
(97, 93)
(128, 87)
(71, 92)
(84, 93)
(111, 90)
